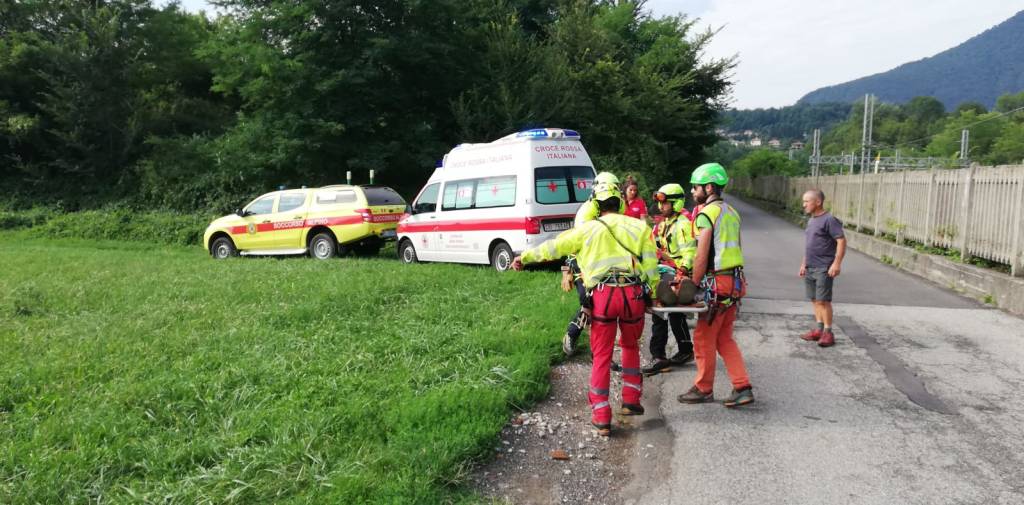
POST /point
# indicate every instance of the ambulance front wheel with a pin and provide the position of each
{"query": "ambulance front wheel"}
(501, 257)
(223, 248)
(406, 252)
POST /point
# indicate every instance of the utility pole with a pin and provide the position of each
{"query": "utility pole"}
(817, 152)
(965, 141)
(865, 138)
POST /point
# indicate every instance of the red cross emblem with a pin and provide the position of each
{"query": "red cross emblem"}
(494, 190)
(552, 186)
(581, 183)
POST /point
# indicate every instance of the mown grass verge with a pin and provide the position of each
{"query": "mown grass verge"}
(159, 375)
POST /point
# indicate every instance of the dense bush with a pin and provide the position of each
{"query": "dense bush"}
(158, 227)
(35, 216)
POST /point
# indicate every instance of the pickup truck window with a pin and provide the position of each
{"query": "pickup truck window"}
(291, 201)
(264, 205)
(332, 196)
(382, 195)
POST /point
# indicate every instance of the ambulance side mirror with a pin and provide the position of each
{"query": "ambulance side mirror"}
(241, 213)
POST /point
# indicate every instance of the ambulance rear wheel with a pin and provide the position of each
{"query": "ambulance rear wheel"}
(323, 246)
(501, 257)
(407, 253)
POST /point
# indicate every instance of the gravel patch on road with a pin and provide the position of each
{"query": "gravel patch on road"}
(551, 454)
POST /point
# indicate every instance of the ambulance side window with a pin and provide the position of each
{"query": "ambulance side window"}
(458, 195)
(427, 202)
(495, 192)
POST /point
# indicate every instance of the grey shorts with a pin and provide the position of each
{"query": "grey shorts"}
(818, 284)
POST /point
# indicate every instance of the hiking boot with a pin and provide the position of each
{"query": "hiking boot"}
(740, 397)
(657, 366)
(603, 429)
(812, 335)
(615, 367)
(569, 344)
(695, 395)
(827, 339)
(632, 409)
(681, 357)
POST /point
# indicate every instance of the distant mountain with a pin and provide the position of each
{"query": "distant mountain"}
(979, 70)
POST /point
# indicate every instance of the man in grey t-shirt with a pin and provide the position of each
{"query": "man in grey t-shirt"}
(825, 246)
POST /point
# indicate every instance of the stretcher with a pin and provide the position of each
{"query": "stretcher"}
(663, 312)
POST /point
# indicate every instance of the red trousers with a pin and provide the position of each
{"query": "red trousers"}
(615, 307)
(714, 338)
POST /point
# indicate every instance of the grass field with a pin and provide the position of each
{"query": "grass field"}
(139, 374)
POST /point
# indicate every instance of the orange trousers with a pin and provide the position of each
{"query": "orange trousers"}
(714, 338)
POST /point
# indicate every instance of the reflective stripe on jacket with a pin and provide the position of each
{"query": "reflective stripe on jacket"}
(598, 254)
(726, 225)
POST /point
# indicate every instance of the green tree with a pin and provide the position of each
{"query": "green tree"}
(86, 84)
(1008, 149)
(767, 162)
(978, 108)
(985, 129)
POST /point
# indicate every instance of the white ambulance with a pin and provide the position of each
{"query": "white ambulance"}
(487, 203)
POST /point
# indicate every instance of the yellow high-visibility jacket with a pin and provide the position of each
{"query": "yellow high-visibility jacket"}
(587, 212)
(677, 240)
(725, 222)
(599, 254)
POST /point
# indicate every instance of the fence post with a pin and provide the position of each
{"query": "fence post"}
(878, 199)
(860, 204)
(965, 211)
(900, 225)
(928, 211)
(1016, 263)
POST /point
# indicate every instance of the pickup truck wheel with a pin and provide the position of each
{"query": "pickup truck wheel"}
(223, 248)
(323, 246)
(501, 257)
(407, 252)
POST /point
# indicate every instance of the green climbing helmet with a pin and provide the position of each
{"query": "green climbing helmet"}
(710, 173)
(674, 193)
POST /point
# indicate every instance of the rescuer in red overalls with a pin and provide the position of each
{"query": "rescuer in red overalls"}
(619, 267)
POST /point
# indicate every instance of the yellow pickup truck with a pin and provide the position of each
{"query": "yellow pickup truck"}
(322, 222)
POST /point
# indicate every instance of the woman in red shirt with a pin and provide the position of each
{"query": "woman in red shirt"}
(635, 206)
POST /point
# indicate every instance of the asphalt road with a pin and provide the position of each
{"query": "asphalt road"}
(921, 406)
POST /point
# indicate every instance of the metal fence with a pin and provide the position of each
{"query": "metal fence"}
(975, 210)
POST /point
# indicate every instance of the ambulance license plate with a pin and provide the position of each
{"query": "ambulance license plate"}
(557, 225)
(388, 234)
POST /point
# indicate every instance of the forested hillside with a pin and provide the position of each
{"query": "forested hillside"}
(133, 102)
(922, 127)
(979, 70)
(790, 122)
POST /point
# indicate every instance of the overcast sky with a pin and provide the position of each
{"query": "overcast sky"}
(788, 48)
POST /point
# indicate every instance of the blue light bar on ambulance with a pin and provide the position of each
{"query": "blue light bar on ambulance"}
(555, 133)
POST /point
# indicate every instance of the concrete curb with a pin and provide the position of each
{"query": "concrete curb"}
(988, 286)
